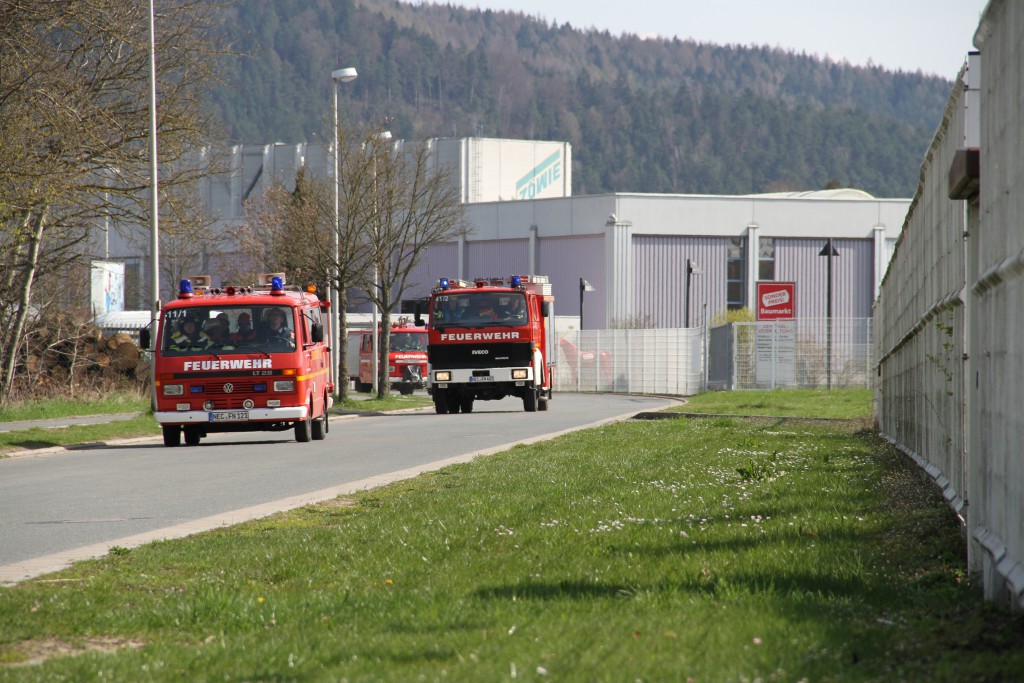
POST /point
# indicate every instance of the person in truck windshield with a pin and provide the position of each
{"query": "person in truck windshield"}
(513, 309)
(189, 336)
(277, 334)
(408, 341)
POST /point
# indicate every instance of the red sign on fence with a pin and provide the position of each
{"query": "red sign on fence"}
(776, 300)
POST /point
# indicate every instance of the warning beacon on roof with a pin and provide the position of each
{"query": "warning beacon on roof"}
(776, 300)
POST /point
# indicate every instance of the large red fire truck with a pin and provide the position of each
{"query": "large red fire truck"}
(490, 339)
(242, 359)
(407, 358)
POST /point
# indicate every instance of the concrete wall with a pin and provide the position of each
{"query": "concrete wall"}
(950, 314)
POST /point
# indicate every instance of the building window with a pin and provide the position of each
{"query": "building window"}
(736, 274)
(766, 258)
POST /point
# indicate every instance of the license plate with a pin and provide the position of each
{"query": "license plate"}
(481, 379)
(229, 416)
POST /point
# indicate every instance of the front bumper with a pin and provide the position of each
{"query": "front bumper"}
(291, 414)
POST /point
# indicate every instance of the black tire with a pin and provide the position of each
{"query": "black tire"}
(192, 436)
(304, 428)
(530, 400)
(467, 404)
(172, 436)
(454, 406)
(542, 404)
(440, 401)
(405, 391)
(320, 425)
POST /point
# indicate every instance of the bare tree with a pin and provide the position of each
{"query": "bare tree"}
(74, 123)
(414, 204)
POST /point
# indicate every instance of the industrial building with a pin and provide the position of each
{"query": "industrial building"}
(650, 260)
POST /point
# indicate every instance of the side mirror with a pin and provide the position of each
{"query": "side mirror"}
(144, 338)
(545, 308)
(417, 316)
(317, 333)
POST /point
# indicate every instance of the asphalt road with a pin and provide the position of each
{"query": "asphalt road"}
(70, 505)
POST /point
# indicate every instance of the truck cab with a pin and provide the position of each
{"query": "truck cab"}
(490, 339)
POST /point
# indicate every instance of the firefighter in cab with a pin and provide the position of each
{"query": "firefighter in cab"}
(189, 336)
(277, 332)
(245, 333)
(220, 335)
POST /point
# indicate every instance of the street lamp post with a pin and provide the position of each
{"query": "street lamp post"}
(154, 218)
(345, 76)
(828, 251)
(383, 137)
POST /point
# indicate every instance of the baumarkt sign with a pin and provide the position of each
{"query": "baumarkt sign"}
(776, 300)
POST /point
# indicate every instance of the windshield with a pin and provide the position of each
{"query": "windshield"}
(408, 341)
(226, 329)
(474, 309)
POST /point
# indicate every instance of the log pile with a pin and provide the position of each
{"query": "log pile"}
(59, 356)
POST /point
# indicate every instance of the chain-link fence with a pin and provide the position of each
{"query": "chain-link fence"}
(807, 353)
(663, 361)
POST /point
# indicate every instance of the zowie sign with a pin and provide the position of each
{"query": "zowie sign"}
(776, 300)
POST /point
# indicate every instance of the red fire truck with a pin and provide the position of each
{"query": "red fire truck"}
(490, 339)
(407, 352)
(242, 359)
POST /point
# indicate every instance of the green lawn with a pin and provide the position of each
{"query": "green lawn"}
(716, 549)
(836, 404)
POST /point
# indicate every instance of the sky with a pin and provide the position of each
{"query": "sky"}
(933, 36)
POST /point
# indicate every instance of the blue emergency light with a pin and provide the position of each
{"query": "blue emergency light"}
(185, 289)
(516, 281)
(445, 284)
(276, 286)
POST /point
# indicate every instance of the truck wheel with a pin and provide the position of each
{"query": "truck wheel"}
(320, 425)
(530, 400)
(454, 405)
(405, 391)
(440, 401)
(192, 436)
(172, 436)
(542, 404)
(467, 404)
(303, 428)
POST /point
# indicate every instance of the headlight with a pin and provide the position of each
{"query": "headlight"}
(174, 390)
(284, 385)
(520, 374)
(443, 376)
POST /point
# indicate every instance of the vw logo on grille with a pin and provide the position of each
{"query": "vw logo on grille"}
(228, 388)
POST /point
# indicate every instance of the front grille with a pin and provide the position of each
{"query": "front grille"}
(222, 400)
(456, 356)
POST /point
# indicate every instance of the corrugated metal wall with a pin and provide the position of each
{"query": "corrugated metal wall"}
(567, 259)
(497, 258)
(440, 260)
(659, 278)
(852, 290)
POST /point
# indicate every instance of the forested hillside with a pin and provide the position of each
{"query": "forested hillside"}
(642, 115)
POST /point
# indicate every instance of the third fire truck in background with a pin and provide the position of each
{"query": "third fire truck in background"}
(407, 358)
(490, 339)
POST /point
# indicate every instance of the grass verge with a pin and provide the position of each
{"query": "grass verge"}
(716, 549)
(842, 404)
(118, 402)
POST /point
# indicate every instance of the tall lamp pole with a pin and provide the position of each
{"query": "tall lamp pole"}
(382, 137)
(154, 217)
(345, 76)
(828, 251)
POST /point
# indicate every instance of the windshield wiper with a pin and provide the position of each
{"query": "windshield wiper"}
(252, 346)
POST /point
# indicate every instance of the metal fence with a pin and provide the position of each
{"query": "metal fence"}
(807, 353)
(661, 361)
